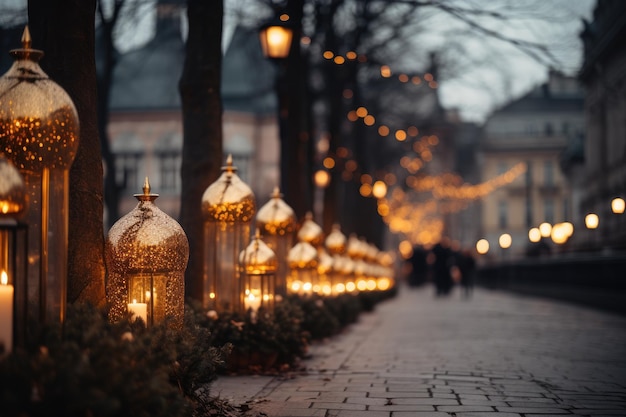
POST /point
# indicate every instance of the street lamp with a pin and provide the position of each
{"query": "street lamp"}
(276, 36)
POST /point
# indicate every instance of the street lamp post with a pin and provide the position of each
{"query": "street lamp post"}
(280, 41)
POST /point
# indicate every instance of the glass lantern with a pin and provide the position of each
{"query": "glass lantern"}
(146, 253)
(13, 257)
(276, 222)
(324, 272)
(302, 259)
(310, 232)
(336, 241)
(258, 265)
(39, 133)
(228, 207)
(336, 246)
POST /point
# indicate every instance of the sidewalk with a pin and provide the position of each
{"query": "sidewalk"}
(495, 354)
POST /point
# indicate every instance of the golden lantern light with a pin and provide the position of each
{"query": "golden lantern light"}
(276, 36)
(276, 222)
(505, 240)
(336, 241)
(228, 207)
(13, 257)
(545, 229)
(561, 232)
(592, 221)
(482, 246)
(146, 253)
(39, 132)
(324, 272)
(534, 235)
(258, 265)
(618, 205)
(303, 260)
(310, 231)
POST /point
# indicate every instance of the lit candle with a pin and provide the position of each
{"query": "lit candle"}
(139, 310)
(253, 302)
(6, 312)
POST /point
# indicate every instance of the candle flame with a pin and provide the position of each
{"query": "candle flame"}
(4, 278)
(134, 301)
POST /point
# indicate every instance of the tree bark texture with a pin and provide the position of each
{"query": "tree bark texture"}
(65, 31)
(202, 127)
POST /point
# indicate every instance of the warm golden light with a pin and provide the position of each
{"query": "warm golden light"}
(400, 135)
(385, 71)
(361, 112)
(534, 235)
(322, 178)
(379, 190)
(558, 234)
(406, 249)
(592, 221)
(4, 278)
(276, 41)
(617, 205)
(369, 120)
(545, 229)
(482, 246)
(383, 130)
(505, 240)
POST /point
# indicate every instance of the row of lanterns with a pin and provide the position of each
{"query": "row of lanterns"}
(146, 251)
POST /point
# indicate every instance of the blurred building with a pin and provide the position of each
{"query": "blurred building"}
(145, 127)
(602, 173)
(535, 130)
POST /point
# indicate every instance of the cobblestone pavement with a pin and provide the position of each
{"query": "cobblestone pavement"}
(494, 354)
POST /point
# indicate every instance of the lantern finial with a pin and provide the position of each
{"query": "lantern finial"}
(146, 196)
(276, 192)
(229, 168)
(26, 39)
(26, 51)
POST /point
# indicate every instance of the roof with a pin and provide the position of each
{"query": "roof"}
(147, 78)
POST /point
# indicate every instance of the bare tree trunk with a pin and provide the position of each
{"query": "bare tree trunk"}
(64, 30)
(202, 126)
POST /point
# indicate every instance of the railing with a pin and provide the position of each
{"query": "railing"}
(595, 279)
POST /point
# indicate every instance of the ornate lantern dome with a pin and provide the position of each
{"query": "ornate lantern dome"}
(276, 217)
(38, 121)
(310, 231)
(13, 196)
(336, 240)
(146, 242)
(228, 199)
(258, 258)
(303, 255)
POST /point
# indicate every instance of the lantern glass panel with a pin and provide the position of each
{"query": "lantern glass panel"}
(39, 132)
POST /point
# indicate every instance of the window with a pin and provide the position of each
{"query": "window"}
(502, 215)
(169, 171)
(127, 165)
(548, 210)
(548, 173)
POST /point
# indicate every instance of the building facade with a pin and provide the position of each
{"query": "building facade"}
(603, 172)
(534, 130)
